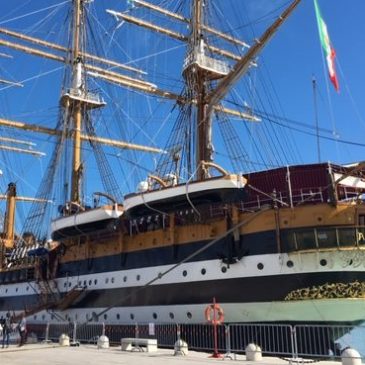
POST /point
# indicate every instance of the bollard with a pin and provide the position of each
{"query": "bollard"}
(103, 342)
(350, 356)
(64, 340)
(253, 352)
(181, 348)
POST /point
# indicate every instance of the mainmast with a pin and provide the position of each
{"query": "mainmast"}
(199, 70)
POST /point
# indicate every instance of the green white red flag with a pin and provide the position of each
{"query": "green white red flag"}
(327, 47)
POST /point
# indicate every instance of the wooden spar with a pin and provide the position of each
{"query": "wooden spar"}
(124, 81)
(22, 150)
(9, 221)
(170, 33)
(19, 141)
(84, 137)
(32, 51)
(161, 10)
(58, 47)
(27, 199)
(242, 66)
(148, 25)
(186, 20)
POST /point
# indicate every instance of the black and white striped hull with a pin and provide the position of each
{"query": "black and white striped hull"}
(252, 290)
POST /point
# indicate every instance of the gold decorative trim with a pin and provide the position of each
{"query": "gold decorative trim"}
(354, 290)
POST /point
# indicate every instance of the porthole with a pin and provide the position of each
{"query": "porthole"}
(323, 262)
(27, 288)
(16, 289)
(105, 316)
(65, 284)
(84, 282)
(351, 262)
(69, 284)
(35, 317)
(154, 315)
(90, 282)
(185, 273)
(124, 278)
(106, 280)
(95, 281)
(43, 317)
(224, 269)
(132, 316)
(172, 316)
(138, 277)
(203, 271)
(189, 315)
(260, 266)
(112, 280)
(6, 290)
(118, 316)
(290, 263)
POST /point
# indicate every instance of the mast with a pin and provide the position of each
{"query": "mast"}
(196, 75)
(77, 116)
(77, 100)
(203, 153)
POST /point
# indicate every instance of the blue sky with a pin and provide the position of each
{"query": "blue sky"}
(288, 63)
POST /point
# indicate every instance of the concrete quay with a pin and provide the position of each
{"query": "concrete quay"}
(53, 354)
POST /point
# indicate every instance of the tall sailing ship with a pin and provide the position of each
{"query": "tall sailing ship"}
(283, 244)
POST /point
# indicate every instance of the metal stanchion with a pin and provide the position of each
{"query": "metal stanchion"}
(46, 335)
(74, 341)
(228, 354)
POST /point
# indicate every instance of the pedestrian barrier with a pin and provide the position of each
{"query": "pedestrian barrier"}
(293, 342)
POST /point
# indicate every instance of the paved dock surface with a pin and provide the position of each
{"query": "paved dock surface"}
(52, 354)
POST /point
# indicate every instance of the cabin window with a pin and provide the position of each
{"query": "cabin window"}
(260, 266)
(288, 241)
(154, 315)
(326, 238)
(347, 237)
(132, 316)
(362, 220)
(172, 316)
(306, 239)
(189, 315)
(118, 316)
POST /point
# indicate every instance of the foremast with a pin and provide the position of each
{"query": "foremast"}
(77, 100)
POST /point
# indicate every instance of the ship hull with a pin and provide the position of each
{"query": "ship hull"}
(248, 292)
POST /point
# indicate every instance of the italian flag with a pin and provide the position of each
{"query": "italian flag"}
(327, 47)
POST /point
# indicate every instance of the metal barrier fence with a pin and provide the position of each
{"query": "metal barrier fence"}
(311, 341)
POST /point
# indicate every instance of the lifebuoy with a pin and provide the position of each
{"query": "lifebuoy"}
(214, 314)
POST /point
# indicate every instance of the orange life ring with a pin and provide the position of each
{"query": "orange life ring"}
(214, 314)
